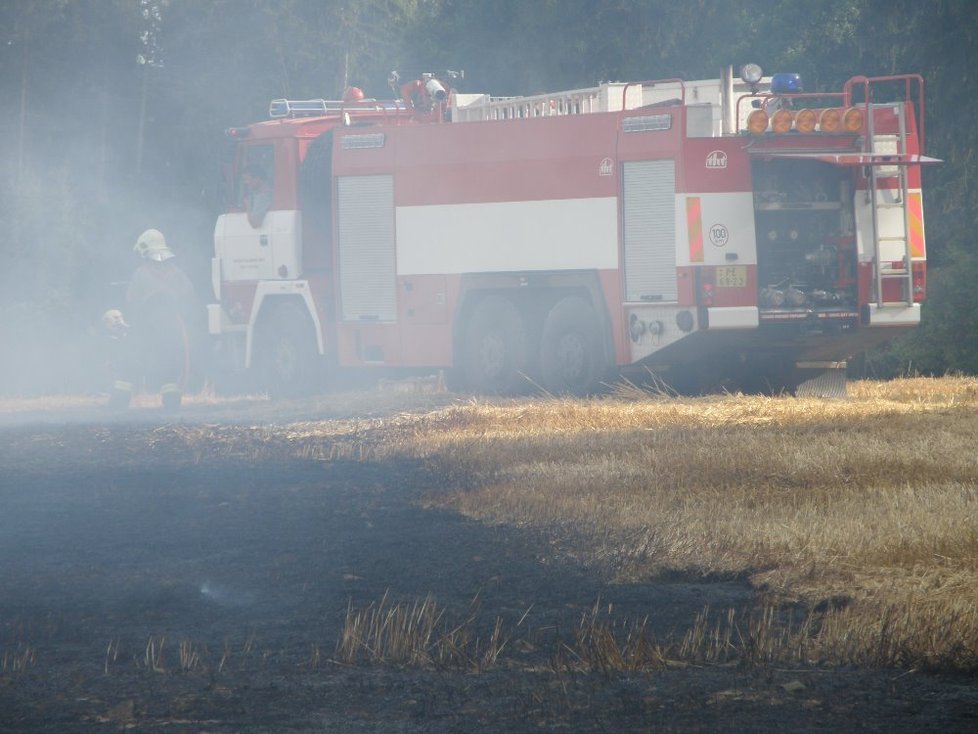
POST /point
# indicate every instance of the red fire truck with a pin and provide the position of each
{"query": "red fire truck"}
(738, 230)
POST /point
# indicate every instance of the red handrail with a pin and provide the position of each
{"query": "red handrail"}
(908, 81)
(652, 83)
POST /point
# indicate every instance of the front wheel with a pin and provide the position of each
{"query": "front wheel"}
(571, 350)
(285, 353)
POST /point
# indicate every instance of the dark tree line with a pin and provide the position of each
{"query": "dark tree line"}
(114, 112)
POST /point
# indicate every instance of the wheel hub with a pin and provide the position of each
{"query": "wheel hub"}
(571, 357)
(492, 355)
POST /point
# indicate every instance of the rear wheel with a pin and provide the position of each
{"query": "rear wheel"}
(494, 347)
(285, 353)
(571, 350)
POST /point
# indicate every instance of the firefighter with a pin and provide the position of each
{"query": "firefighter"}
(161, 305)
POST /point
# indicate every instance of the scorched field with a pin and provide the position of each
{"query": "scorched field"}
(412, 561)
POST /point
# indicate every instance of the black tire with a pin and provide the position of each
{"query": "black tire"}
(571, 353)
(494, 347)
(285, 353)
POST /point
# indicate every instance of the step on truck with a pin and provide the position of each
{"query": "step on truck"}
(741, 233)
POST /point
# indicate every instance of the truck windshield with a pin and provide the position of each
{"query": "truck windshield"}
(254, 182)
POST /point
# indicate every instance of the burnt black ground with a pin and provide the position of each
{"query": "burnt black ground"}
(112, 537)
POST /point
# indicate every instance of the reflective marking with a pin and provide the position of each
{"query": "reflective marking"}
(694, 223)
(915, 212)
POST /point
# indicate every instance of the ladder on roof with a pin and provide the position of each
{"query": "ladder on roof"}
(607, 97)
(891, 234)
(279, 108)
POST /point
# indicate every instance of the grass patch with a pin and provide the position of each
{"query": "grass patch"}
(864, 511)
(856, 520)
(417, 634)
(17, 661)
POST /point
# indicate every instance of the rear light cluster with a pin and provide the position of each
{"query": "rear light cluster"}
(919, 281)
(831, 120)
(707, 281)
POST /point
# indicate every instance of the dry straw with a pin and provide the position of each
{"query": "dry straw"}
(864, 511)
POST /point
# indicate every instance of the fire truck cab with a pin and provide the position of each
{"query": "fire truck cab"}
(740, 232)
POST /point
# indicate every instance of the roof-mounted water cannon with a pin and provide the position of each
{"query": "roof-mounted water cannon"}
(435, 89)
(428, 91)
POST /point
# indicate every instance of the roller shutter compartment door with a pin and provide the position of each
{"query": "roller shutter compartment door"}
(649, 204)
(368, 287)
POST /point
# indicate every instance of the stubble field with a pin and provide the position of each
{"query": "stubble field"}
(405, 561)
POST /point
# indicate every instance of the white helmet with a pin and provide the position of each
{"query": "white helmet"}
(114, 322)
(152, 245)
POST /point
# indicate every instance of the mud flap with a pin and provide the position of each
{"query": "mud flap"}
(821, 380)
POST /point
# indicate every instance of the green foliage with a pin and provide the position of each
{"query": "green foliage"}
(946, 340)
(91, 161)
